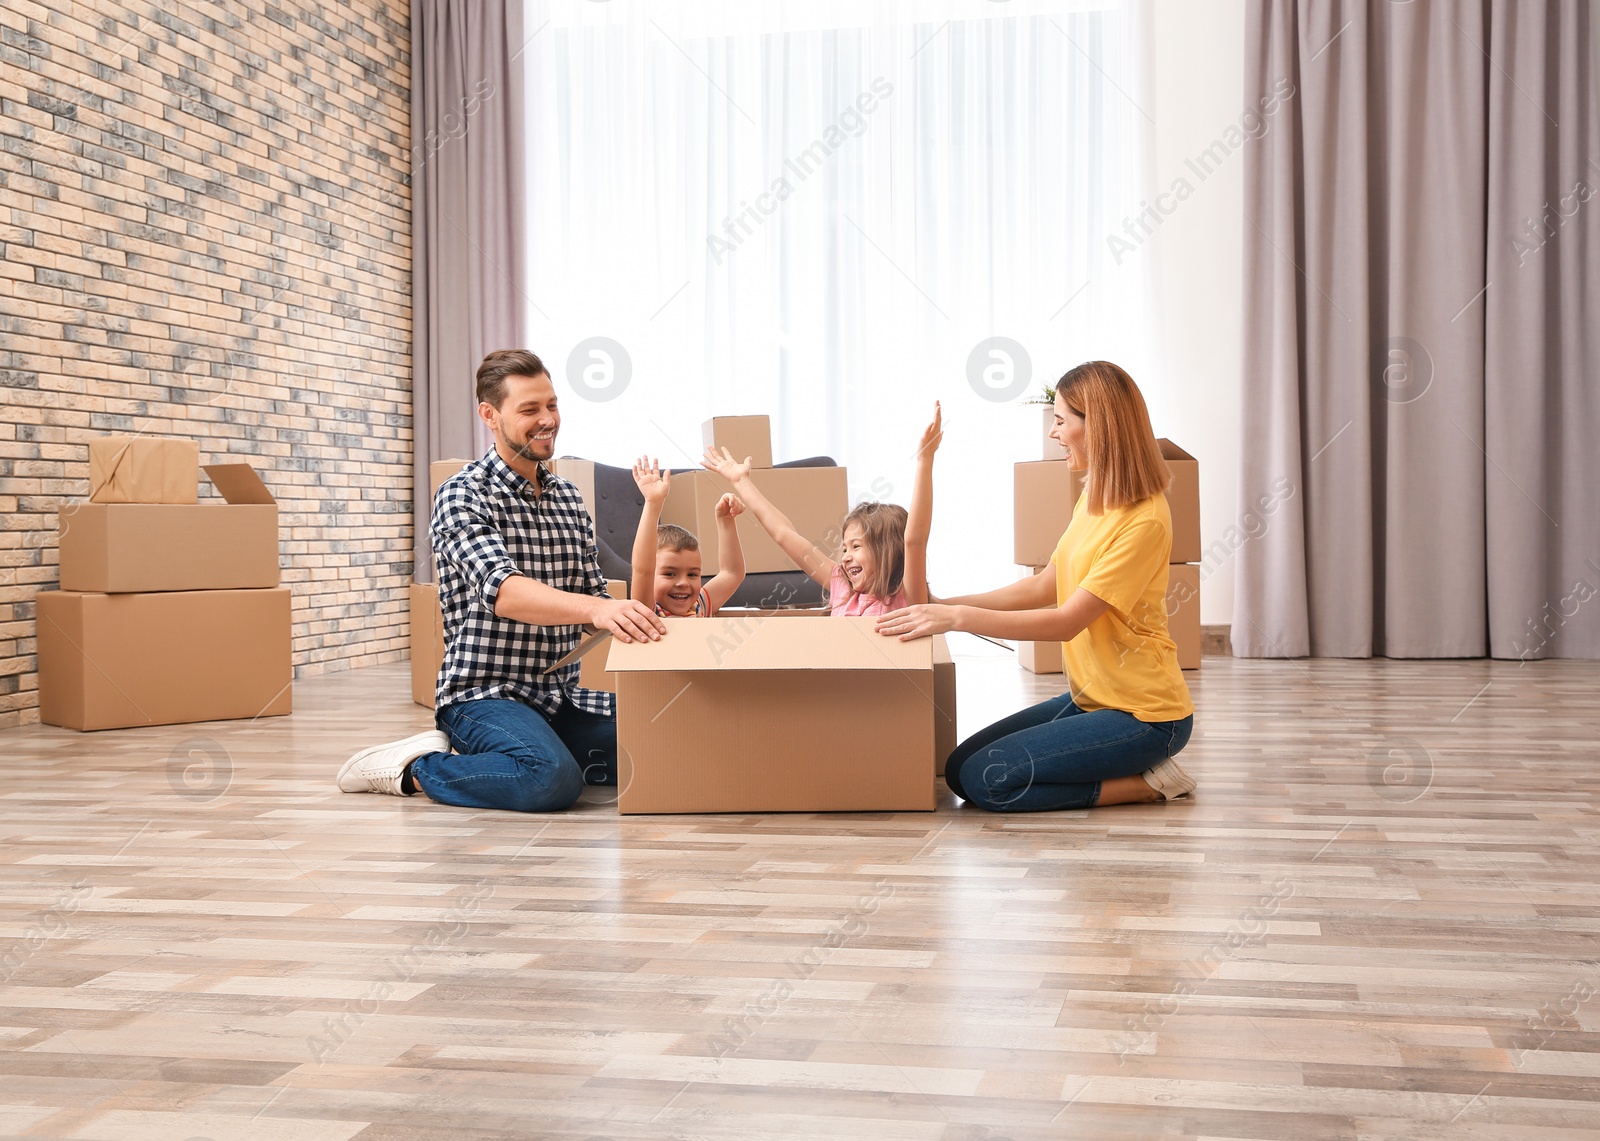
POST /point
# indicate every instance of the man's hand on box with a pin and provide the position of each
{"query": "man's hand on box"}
(628, 620)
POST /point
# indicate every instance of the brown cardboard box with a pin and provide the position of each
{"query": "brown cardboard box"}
(742, 715)
(143, 469)
(1040, 657)
(427, 644)
(816, 500)
(1183, 612)
(743, 436)
(439, 471)
(1047, 490)
(134, 547)
(579, 473)
(945, 739)
(113, 661)
(1183, 497)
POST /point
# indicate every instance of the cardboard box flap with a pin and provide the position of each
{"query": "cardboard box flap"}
(754, 643)
(1171, 451)
(581, 650)
(239, 483)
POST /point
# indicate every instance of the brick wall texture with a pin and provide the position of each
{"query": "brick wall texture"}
(205, 232)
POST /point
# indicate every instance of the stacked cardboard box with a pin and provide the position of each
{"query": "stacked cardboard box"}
(1046, 492)
(169, 609)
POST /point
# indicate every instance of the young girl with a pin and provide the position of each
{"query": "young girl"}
(666, 558)
(883, 560)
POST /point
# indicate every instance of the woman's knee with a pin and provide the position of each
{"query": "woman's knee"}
(994, 780)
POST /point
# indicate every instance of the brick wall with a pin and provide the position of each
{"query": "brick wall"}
(205, 232)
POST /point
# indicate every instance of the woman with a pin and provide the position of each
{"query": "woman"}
(1112, 737)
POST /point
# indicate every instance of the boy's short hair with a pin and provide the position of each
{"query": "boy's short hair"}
(671, 537)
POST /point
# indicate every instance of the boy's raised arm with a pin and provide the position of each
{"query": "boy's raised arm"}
(653, 483)
(774, 522)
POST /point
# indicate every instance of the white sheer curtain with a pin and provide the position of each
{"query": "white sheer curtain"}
(820, 211)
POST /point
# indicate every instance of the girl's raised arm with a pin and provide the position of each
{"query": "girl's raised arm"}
(919, 520)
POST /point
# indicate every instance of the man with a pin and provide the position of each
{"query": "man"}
(519, 579)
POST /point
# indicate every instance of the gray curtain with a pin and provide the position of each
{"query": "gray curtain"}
(467, 204)
(1422, 332)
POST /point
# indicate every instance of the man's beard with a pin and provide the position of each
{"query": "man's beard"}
(525, 450)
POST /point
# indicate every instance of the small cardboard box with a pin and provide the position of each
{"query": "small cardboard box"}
(747, 715)
(1183, 612)
(143, 469)
(439, 471)
(1047, 490)
(744, 437)
(121, 548)
(816, 500)
(427, 644)
(1040, 657)
(115, 661)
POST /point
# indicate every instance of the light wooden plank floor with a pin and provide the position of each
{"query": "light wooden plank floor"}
(1379, 918)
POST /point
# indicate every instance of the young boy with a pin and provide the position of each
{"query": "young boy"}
(666, 559)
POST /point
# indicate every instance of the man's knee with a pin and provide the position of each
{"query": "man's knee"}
(552, 786)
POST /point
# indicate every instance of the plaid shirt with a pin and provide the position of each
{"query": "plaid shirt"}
(488, 524)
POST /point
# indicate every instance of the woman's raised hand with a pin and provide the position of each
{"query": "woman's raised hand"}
(652, 481)
(932, 435)
(721, 461)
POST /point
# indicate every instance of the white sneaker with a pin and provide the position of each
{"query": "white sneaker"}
(1169, 779)
(378, 769)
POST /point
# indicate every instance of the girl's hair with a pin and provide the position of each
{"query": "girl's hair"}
(1125, 464)
(671, 537)
(883, 529)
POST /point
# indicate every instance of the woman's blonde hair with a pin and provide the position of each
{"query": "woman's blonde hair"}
(1125, 464)
(883, 529)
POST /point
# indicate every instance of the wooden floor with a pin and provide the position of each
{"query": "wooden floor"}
(1379, 918)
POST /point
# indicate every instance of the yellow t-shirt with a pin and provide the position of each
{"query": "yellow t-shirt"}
(1125, 659)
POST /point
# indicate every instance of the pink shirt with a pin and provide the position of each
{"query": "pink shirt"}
(843, 602)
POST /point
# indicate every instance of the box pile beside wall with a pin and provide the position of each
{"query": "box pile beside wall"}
(169, 609)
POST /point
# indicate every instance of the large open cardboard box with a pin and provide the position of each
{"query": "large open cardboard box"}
(121, 548)
(744, 437)
(114, 661)
(1045, 492)
(143, 469)
(816, 500)
(750, 715)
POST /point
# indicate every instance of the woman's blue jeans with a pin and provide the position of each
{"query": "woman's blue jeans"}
(509, 755)
(1054, 755)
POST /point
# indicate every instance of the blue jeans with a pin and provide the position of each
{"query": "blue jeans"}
(1054, 755)
(509, 755)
